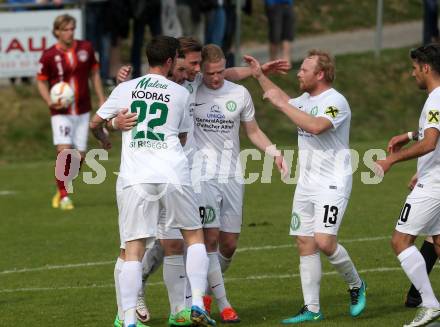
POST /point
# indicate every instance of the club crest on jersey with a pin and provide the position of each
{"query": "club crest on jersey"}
(332, 111)
(231, 106)
(296, 222)
(82, 55)
(433, 116)
(314, 111)
(207, 214)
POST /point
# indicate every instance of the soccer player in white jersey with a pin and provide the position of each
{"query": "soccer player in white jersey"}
(171, 240)
(322, 116)
(169, 246)
(220, 108)
(154, 174)
(421, 211)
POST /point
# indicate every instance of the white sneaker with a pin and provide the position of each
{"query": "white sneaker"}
(142, 312)
(424, 316)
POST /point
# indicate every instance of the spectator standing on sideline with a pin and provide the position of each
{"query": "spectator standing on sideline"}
(24, 80)
(169, 21)
(430, 21)
(190, 16)
(100, 36)
(116, 21)
(231, 20)
(281, 28)
(215, 21)
(144, 12)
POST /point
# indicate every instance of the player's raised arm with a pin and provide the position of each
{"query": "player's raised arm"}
(123, 121)
(279, 66)
(307, 122)
(105, 115)
(262, 142)
(98, 131)
(397, 142)
(418, 149)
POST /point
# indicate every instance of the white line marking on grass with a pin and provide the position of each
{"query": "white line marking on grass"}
(7, 192)
(233, 279)
(283, 246)
(328, 273)
(55, 267)
(103, 263)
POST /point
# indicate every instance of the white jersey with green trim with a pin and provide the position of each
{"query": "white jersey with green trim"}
(192, 86)
(325, 159)
(217, 117)
(151, 151)
(428, 166)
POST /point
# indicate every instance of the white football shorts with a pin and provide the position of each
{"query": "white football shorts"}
(420, 215)
(140, 208)
(71, 129)
(165, 232)
(320, 213)
(221, 205)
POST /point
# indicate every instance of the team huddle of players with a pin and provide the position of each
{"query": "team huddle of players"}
(178, 120)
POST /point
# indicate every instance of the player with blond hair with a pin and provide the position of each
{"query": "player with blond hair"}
(71, 61)
(322, 116)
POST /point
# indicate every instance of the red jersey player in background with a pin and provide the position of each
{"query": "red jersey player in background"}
(74, 62)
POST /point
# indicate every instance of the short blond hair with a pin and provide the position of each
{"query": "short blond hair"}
(61, 21)
(325, 63)
(212, 53)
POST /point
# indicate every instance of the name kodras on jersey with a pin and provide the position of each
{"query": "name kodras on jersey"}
(152, 110)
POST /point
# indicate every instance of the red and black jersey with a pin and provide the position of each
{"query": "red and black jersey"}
(72, 66)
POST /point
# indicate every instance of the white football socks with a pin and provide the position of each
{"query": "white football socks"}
(311, 273)
(415, 268)
(117, 272)
(343, 264)
(174, 277)
(197, 264)
(130, 281)
(188, 295)
(224, 262)
(215, 281)
(151, 261)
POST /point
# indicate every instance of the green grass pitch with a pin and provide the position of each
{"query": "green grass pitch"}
(45, 279)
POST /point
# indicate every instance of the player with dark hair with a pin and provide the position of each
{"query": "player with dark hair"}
(420, 214)
(191, 50)
(154, 176)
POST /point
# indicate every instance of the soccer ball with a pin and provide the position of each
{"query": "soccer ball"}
(61, 93)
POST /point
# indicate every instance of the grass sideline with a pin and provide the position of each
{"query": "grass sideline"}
(383, 96)
(262, 283)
